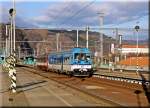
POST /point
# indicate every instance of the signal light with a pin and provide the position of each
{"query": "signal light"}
(12, 11)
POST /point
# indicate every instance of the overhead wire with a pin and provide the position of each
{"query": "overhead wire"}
(77, 12)
(80, 25)
(67, 7)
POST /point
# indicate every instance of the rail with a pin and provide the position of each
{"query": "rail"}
(68, 84)
(117, 78)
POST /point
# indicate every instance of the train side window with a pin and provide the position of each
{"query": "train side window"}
(88, 57)
(71, 58)
(56, 60)
(52, 59)
(2, 58)
(59, 60)
(64, 60)
(67, 59)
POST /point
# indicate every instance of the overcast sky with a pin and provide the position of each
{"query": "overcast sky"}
(77, 13)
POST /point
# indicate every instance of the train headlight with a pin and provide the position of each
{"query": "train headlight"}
(84, 69)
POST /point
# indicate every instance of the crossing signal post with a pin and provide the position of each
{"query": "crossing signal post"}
(12, 13)
(11, 60)
(137, 30)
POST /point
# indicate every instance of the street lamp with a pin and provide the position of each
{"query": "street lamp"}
(6, 40)
(137, 30)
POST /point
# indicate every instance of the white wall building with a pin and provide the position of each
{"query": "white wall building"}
(133, 49)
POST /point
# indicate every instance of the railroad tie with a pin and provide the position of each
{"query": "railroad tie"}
(12, 72)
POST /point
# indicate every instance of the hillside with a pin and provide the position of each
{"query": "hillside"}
(67, 40)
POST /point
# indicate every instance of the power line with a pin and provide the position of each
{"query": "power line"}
(76, 13)
(83, 28)
(65, 8)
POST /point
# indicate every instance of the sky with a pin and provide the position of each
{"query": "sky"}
(77, 13)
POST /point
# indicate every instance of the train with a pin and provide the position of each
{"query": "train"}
(2, 59)
(29, 60)
(74, 62)
(2, 56)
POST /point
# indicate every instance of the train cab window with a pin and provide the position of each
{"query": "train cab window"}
(76, 56)
(80, 56)
(83, 56)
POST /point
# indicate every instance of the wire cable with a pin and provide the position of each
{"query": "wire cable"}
(76, 13)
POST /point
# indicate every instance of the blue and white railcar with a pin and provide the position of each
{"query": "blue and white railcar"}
(2, 59)
(76, 62)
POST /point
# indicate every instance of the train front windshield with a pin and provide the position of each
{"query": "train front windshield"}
(82, 56)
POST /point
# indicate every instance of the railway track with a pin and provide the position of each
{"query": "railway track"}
(120, 79)
(71, 83)
(123, 70)
(123, 79)
(122, 82)
(78, 83)
(126, 76)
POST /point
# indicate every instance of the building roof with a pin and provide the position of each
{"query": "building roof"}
(132, 61)
(134, 46)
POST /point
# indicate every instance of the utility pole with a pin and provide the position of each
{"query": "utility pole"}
(77, 38)
(60, 46)
(116, 46)
(19, 52)
(6, 44)
(12, 58)
(9, 43)
(87, 36)
(7, 39)
(120, 46)
(57, 41)
(120, 40)
(101, 17)
(11, 36)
